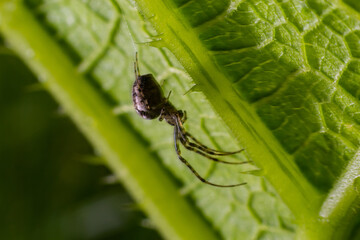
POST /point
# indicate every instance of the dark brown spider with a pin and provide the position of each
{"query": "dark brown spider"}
(150, 102)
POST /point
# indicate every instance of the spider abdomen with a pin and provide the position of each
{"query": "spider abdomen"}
(148, 97)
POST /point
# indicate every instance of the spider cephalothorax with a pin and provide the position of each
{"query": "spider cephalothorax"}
(150, 102)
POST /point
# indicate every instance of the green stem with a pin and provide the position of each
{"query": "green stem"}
(139, 170)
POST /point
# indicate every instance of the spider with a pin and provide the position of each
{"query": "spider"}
(150, 103)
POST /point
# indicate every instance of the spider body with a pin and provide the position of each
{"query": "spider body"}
(150, 103)
(148, 96)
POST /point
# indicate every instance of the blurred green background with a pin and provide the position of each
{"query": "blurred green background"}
(48, 188)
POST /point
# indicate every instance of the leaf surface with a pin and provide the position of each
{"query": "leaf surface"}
(282, 75)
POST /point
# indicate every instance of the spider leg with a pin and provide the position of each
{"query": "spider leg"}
(184, 135)
(200, 148)
(161, 117)
(167, 98)
(188, 146)
(180, 128)
(136, 66)
(178, 152)
(208, 150)
(184, 117)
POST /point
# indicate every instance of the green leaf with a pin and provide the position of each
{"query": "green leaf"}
(281, 75)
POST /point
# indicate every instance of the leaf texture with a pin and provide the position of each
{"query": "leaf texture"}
(282, 75)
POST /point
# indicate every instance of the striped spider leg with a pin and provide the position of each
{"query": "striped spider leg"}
(177, 137)
(200, 148)
(180, 134)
